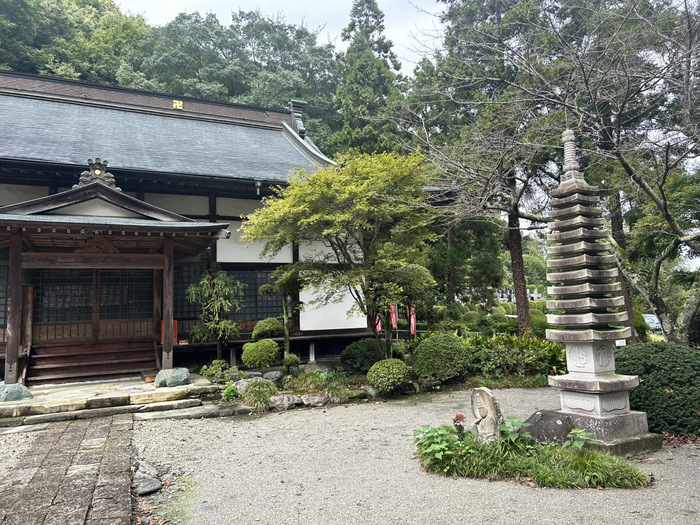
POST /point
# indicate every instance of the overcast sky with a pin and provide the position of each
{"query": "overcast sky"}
(409, 23)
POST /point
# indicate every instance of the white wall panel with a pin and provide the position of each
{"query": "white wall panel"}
(333, 316)
(233, 250)
(14, 194)
(95, 208)
(236, 207)
(183, 204)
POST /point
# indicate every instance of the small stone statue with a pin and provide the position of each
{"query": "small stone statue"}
(488, 416)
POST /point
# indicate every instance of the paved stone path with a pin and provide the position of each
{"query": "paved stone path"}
(76, 472)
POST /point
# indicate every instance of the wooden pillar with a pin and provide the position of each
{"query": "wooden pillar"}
(168, 283)
(28, 317)
(14, 309)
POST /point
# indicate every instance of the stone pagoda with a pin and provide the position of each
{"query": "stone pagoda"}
(586, 297)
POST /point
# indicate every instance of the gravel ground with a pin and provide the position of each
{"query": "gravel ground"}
(356, 464)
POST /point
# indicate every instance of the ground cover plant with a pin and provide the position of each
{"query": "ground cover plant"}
(450, 450)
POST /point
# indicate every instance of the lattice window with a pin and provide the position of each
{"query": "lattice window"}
(256, 307)
(4, 273)
(183, 277)
(126, 294)
(63, 295)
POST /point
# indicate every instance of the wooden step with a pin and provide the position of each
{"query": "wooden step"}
(72, 363)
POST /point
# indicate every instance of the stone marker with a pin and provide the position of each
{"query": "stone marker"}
(488, 416)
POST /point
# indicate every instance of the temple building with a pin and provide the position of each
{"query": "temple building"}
(112, 201)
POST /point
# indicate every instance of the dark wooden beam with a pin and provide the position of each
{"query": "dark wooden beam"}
(168, 284)
(92, 260)
(14, 309)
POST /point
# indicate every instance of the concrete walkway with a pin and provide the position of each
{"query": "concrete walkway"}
(75, 472)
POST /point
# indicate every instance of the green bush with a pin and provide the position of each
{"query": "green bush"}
(540, 305)
(291, 361)
(358, 357)
(507, 355)
(640, 325)
(669, 384)
(219, 372)
(258, 393)
(230, 392)
(261, 354)
(387, 375)
(266, 328)
(441, 355)
(498, 311)
(539, 322)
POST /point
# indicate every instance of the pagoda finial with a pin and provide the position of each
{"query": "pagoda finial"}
(571, 165)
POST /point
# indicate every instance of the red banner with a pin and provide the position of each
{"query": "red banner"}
(412, 321)
(378, 322)
(394, 316)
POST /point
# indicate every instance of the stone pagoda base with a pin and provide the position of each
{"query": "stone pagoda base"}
(599, 404)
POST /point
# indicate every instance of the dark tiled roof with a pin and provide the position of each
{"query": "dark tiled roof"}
(68, 133)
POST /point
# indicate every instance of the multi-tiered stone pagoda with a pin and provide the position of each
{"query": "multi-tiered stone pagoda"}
(586, 300)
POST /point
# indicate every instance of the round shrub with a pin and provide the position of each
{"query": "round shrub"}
(262, 354)
(291, 361)
(669, 385)
(387, 375)
(441, 355)
(267, 328)
(358, 357)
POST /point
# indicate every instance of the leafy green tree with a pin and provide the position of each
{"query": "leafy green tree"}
(218, 294)
(368, 78)
(288, 284)
(365, 224)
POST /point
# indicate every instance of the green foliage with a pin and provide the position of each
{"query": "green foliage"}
(258, 393)
(309, 380)
(669, 384)
(230, 392)
(513, 429)
(219, 372)
(536, 381)
(368, 210)
(218, 294)
(266, 328)
(517, 457)
(337, 393)
(538, 319)
(640, 325)
(509, 355)
(291, 361)
(388, 375)
(442, 356)
(358, 357)
(261, 354)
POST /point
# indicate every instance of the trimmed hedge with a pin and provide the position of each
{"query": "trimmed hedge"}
(387, 375)
(266, 328)
(358, 357)
(441, 355)
(669, 385)
(506, 355)
(261, 354)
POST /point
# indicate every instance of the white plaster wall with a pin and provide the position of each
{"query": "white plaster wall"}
(333, 316)
(14, 194)
(236, 207)
(235, 251)
(95, 208)
(183, 204)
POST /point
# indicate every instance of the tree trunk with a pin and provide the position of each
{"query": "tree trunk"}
(522, 301)
(615, 209)
(450, 266)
